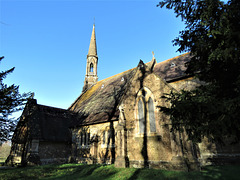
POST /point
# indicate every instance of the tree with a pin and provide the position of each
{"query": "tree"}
(212, 35)
(10, 101)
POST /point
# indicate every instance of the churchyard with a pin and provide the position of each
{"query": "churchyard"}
(81, 171)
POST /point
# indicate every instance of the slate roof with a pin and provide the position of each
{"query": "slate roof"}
(99, 103)
(54, 123)
(172, 69)
(44, 123)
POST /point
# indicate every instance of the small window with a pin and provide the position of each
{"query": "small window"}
(91, 67)
(141, 116)
(151, 115)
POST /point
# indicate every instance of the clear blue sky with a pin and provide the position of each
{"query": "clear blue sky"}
(47, 42)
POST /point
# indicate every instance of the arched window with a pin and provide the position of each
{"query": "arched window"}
(151, 115)
(91, 67)
(141, 116)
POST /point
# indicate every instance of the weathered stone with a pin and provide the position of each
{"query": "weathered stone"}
(117, 121)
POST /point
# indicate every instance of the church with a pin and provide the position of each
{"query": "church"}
(117, 120)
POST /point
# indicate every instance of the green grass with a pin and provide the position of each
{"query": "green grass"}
(98, 172)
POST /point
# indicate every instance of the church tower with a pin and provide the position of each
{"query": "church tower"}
(91, 77)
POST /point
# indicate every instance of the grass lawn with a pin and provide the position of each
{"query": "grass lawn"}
(97, 172)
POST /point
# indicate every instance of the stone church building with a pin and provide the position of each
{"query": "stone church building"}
(116, 121)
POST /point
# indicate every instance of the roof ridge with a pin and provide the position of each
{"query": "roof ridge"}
(116, 75)
(55, 108)
(181, 55)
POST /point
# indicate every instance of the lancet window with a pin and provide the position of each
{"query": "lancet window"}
(151, 115)
(141, 116)
(91, 67)
(146, 112)
(84, 138)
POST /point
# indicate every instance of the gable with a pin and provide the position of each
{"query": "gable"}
(100, 102)
(146, 83)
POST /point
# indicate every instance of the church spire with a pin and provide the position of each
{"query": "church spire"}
(91, 77)
(93, 46)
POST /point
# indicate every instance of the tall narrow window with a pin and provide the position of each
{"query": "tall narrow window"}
(151, 115)
(88, 138)
(91, 67)
(141, 116)
(81, 139)
(84, 138)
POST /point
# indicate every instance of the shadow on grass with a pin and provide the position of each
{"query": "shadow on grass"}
(221, 172)
(74, 172)
(82, 172)
(78, 171)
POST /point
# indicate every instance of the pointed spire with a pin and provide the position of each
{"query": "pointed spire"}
(93, 46)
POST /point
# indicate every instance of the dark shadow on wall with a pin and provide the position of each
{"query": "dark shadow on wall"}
(82, 144)
(111, 132)
(144, 150)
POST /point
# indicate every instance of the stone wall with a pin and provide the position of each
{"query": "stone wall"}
(134, 144)
(212, 153)
(99, 147)
(15, 156)
(54, 152)
(159, 149)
